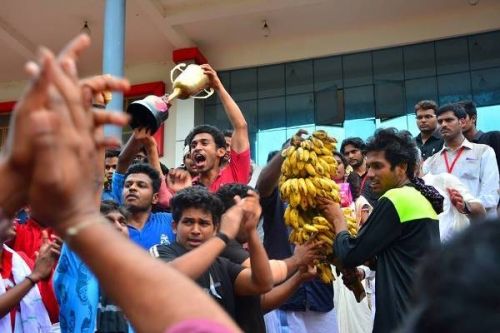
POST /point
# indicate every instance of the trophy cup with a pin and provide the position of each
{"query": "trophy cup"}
(151, 111)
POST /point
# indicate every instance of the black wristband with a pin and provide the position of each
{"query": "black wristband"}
(99, 106)
(31, 280)
(223, 237)
(466, 209)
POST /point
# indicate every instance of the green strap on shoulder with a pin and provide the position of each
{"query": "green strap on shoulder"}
(410, 204)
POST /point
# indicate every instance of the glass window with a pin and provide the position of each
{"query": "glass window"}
(216, 116)
(252, 138)
(328, 73)
(388, 65)
(299, 109)
(488, 118)
(249, 109)
(271, 113)
(419, 60)
(363, 128)
(357, 69)
(454, 87)
(244, 84)
(484, 50)
(452, 56)
(299, 77)
(389, 100)
(412, 124)
(267, 141)
(271, 81)
(486, 86)
(329, 107)
(401, 123)
(359, 103)
(419, 89)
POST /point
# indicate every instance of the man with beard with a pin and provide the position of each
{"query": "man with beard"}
(473, 163)
(429, 140)
(140, 193)
(400, 230)
(208, 144)
(353, 150)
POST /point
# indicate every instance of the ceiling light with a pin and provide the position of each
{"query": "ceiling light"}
(265, 29)
(86, 29)
(473, 2)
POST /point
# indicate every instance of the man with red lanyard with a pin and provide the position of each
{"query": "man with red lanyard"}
(208, 145)
(474, 164)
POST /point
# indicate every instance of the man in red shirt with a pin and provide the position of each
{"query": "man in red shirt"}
(208, 145)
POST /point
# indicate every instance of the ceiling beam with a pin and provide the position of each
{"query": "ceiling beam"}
(17, 42)
(234, 9)
(156, 13)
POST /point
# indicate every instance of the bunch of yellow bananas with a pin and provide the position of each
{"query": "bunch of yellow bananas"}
(306, 174)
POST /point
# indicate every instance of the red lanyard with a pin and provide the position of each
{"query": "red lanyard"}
(448, 167)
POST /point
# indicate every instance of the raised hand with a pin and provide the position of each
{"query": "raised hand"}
(178, 179)
(231, 219)
(62, 189)
(215, 82)
(46, 258)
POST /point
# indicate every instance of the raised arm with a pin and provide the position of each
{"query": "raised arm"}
(65, 199)
(269, 176)
(197, 261)
(239, 140)
(259, 278)
(131, 148)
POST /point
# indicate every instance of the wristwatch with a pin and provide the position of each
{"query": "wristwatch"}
(223, 237)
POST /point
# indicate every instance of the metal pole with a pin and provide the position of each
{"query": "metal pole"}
(114, 53)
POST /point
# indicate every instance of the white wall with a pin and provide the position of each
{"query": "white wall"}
(462, 20)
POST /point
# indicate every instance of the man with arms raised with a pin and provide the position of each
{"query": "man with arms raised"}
(208, 144)
(197, 214)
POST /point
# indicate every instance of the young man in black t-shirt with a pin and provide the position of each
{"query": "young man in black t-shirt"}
(293, 270)
(197, 214)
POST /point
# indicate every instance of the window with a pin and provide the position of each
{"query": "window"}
(454, 87)
(271, 81)
(452, 56)
(244, 84)
(357, 69)
(419, 60)
(299, 77)
(486, 86)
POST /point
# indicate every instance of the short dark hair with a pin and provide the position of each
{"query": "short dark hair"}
(426, 104)
(227, 193)
(470, 108)
(271, 155)
(108, 206)
(147, 170)
(111, 153)
(399, 147)
(228, 132)
(342, 158)
(457, 109)
(356, 142)
(466, 292)
(196, 197)
(216, 134)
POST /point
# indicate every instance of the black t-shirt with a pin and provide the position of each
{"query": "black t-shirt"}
(249, 314)
(491, 139)
(218, 281)
(399, 232)
(433, 144)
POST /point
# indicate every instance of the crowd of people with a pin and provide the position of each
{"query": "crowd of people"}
(99, 237)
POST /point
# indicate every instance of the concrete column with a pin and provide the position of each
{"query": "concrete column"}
(114, 53)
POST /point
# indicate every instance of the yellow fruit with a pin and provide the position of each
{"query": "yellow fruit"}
(310, 228)
(302, 186)
(310, 170)
(305, 155)
(294, 199)
(300, 154)
(311, 189)
(300, 165)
